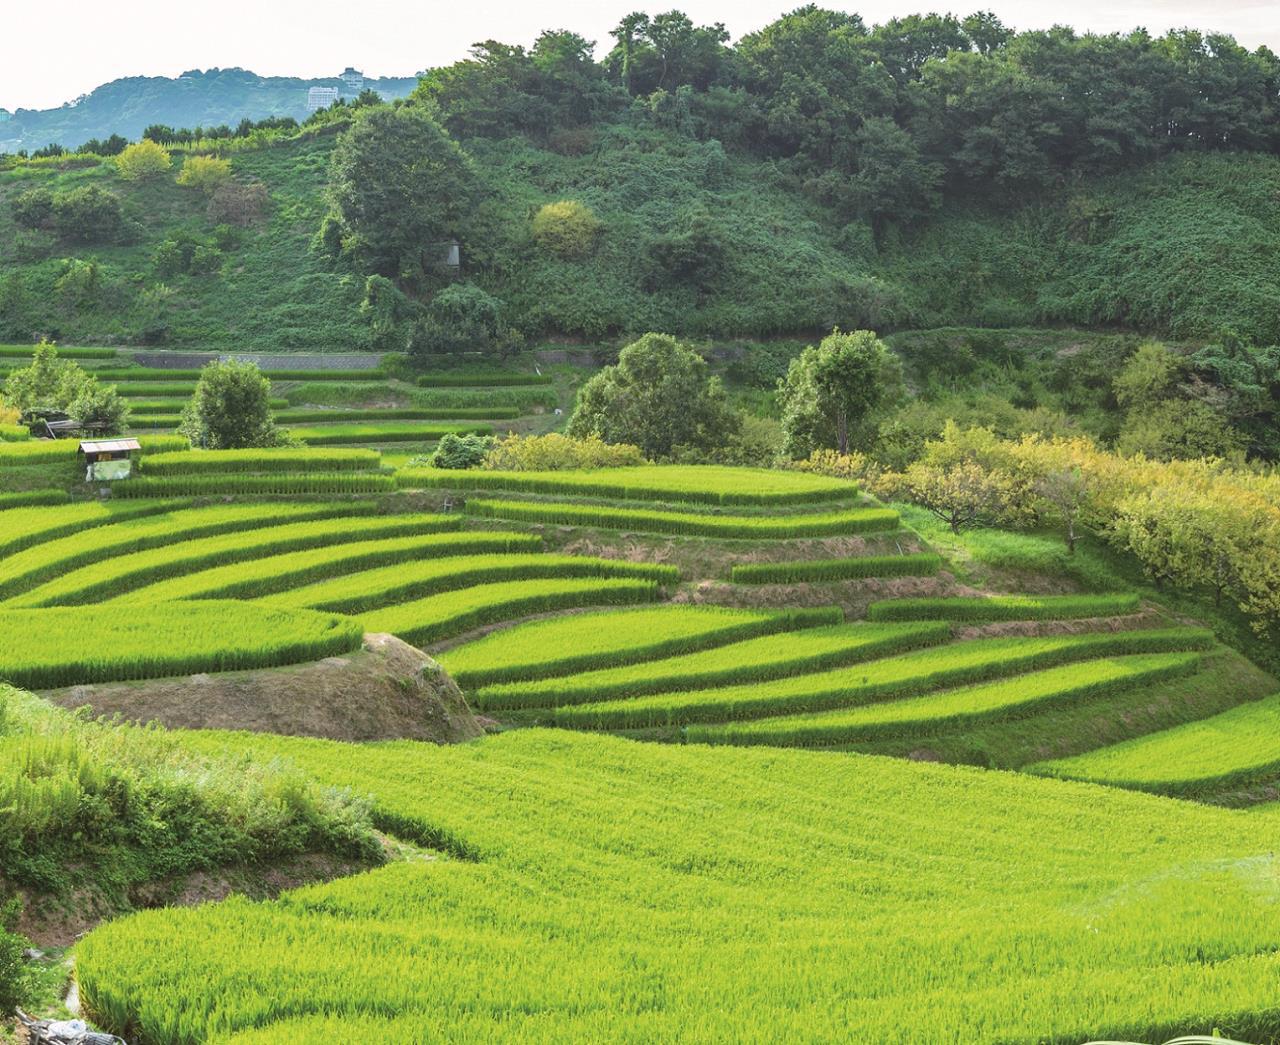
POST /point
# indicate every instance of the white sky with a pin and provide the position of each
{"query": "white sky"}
(51, 52)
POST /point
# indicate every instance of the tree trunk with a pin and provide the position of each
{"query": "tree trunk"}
(842, 434)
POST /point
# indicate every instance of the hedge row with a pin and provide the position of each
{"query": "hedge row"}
(584, 642)
(29, 351)
(804, 571)
(924, 716)
(374, 589)
(441, 616)
(32, 498)
(701, 484)
(279, 574)
(406, 432)
(895, 677)
(481, 380)
(1004, 607)
(752, 660)
(256, 485)
(686, 524)
(203, 462)
(48, 648)
(112, 577)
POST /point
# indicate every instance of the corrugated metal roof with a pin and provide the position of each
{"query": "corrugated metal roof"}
(108, 446)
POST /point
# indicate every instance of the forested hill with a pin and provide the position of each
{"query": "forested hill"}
(195, 99)
(819, 172)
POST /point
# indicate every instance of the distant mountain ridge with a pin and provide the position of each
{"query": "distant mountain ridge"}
(216, 96)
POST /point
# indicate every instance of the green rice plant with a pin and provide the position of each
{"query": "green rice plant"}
(920, 716)
(699, 484)
(37, 451)
(34, 565)
(48, 648)
(21, 527)
(141, 422)
(28, 498)
(14, 433)
(688, 524)
(1004, 607)
(148, 374)
(410, 413)
(892, 678)
(174, 404)
(355, 374)
(677, 892)
(276, 574)
(759, 659)
(919, 564)
(203, 462)
(582, 642)
(402, 581)
(151, 389)
(27, 351)
(1236, 749)
(390, 432)
(113, 577)
(479, 378)
(451, 613)
(282, 484)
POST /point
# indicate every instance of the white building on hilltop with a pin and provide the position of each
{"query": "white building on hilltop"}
(352, 82)
(321, 98)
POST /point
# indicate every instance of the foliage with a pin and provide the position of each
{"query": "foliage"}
(659, 396)
(555, 452)
(229, 408)
(14, 973)
(460, 451)
(833, 394)
(462, 318)
(61, 385)
(205, 173)
(142, 160)
(101, 406)
(566, 228)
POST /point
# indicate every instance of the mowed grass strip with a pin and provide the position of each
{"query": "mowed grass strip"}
(31, 566)
(114, 577)
(808, 571)
(895, 677)
(389, 432)
(452, 613)
(403, 581)
(23, 526)
(584, 641)
(48, 648)
(200, 462)
(285, 484)
(698, 484)
(920, 716)
(758, 660)
(279, 573)
(1004, 607)
(690, 524)
(1236, 749)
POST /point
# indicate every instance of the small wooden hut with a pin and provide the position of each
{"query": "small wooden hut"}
(108, 459)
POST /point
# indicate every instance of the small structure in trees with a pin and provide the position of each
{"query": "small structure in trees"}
(108, 459)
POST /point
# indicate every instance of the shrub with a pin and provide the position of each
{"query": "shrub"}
(14, 976)
(229, 408)
(206, 173)
(460, 451)
(238, 203)
(553, 452)
(88, 215)
(33, 208)
(567, 229)
(142, 160)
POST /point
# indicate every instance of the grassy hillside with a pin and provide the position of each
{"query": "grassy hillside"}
(1102, 252)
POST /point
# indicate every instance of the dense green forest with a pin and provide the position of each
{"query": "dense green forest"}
(927, 172)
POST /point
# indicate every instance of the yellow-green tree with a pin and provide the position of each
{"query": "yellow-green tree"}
(566, 228)
(206, 173)
(142, 160)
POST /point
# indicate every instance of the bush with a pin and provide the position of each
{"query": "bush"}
(206, 173)
(462, 318)
(231, 409)
(460, 451)
(567, 229)
(88, 215)
(143, 160)
(554, 452)
(33, 208)
(238, 203)
(14, 978)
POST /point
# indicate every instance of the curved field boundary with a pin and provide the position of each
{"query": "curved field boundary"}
(757, 660)
(30, 498)
(34, 565)
(905, 676)
(991, 701)
(1004, 607)
(48, 648)
(922, 564)
(114, 577)
(698, 484)
(452, 613)
(1238, 748)
(586, 641)
(374, 589)
(201, 462)
(21, 527)
(688, 524)
(406, 432)
(284, 484)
